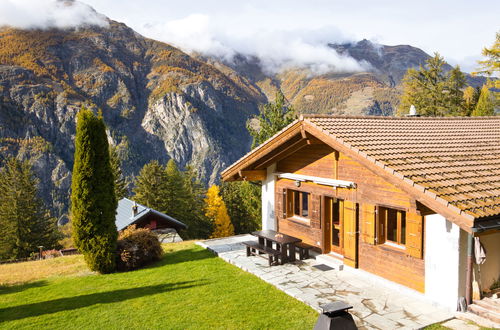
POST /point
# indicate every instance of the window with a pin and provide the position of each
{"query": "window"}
(392, 226)
(298, 203)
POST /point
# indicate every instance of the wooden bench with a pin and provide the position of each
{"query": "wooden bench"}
(273, 255)
(303, 250)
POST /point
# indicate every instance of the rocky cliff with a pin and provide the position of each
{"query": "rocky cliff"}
(158, 102)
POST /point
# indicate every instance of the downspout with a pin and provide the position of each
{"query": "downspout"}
(468, 283)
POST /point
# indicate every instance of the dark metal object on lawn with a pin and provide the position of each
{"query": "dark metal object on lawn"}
(335, 316)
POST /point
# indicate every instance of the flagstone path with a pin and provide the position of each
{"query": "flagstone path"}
(375, 306)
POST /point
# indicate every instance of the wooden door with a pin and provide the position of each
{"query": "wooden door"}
(350, 223)
(334, 221)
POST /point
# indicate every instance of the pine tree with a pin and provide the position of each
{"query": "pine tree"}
(485, 106)
(151, 186)
(273, 117)
(432, 91)
(176, 194)
(93, 200)
(199, 226)
(121, 190)
(216, 211)
(243, 201)
(25, 222)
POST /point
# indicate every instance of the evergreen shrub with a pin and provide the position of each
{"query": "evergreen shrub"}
(137, 247)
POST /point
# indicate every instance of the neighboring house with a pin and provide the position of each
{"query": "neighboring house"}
(397, 197)
(130, 213)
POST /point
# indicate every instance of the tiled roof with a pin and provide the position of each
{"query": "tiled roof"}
(456, 158)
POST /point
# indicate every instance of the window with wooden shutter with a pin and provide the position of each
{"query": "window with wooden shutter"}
(414, 234)
(368, 223)
(316, 211)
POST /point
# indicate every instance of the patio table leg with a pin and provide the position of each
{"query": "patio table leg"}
(284, 257)
(291, 252)
(261, 242)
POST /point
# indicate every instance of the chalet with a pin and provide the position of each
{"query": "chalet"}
(401, 198)
(130, 213)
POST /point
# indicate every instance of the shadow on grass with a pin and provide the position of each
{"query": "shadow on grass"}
(6, 289)
(76, 302)
(180, 256)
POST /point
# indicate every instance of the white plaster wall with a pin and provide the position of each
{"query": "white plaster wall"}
(268, 216)
(490, 270)
(445, 252)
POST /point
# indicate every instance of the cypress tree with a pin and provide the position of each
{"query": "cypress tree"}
(25, 222)
(93, 201)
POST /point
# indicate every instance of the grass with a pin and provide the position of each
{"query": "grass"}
(189, 288)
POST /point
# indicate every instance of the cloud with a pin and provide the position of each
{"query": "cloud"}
(276, 49)
(45, 14)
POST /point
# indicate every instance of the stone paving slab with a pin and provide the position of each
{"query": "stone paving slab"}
(374, 306)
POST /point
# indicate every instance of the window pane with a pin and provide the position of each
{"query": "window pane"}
(403, 228)
(305, 204)
(296, 203)
(392, 225)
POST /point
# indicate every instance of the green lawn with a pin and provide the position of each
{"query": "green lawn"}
(188, 288)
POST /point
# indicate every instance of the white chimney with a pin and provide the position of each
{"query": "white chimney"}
(134, 209)
(413, 111)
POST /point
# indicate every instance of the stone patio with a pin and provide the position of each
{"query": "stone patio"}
(376, 304)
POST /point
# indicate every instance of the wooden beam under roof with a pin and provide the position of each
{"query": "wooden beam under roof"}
(253, 175)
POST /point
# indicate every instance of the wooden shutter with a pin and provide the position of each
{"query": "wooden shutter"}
(368, 223)
(380, 219)
(315, 211)
(414, 234)
(280, 202)
(350, 228)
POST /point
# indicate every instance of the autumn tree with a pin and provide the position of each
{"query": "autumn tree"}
(272, 118)
(491, 65)
(433, 91)
(93, 200)
(471, 96)
(485, 106)
(216, 211)
(25, 222)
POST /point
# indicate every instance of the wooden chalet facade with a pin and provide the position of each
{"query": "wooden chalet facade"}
(396, 197)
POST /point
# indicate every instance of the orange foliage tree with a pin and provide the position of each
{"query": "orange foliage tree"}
(216, 211)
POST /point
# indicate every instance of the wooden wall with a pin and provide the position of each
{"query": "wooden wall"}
(393, 265)
(322, 161)
(315, 159)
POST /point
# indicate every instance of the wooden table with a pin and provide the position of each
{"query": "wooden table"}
(284, 243)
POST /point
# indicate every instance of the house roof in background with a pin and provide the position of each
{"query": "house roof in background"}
(125, 216)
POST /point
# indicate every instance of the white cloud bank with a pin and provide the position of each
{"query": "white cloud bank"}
(277, 49)
(45, 14)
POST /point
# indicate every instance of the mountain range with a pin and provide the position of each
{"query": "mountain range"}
(159, 102)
